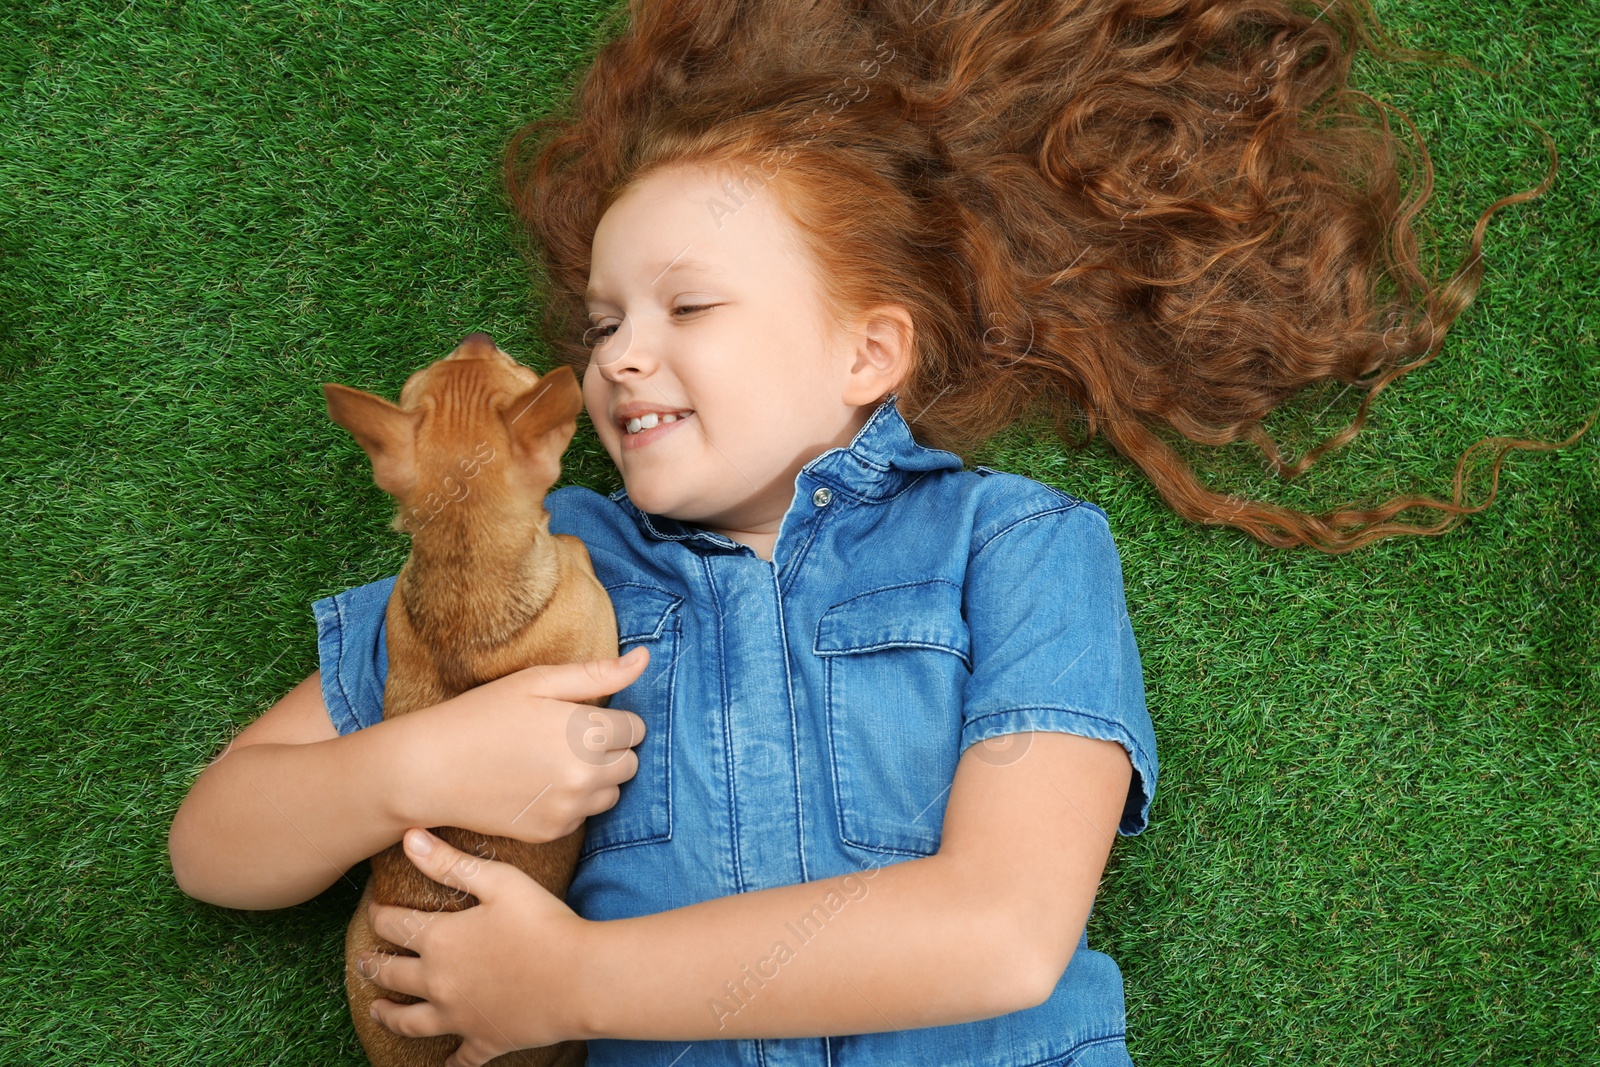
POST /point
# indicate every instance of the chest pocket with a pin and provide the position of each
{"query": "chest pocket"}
(896, 661)
(643, 812)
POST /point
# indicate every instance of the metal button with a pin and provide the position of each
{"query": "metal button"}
(821, 497)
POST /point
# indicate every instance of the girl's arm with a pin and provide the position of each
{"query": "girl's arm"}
(290, 805)
(982, 928)
(287, 808)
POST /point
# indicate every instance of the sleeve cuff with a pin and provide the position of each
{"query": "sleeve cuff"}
(352, 651)
(1141, 790)
(329, 649)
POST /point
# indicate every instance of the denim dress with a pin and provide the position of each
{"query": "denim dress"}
(805, 714)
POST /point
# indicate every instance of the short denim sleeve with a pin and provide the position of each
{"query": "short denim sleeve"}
(1052, 644)
(353, 654)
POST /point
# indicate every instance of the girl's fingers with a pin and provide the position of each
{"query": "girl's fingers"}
(586, 680)
(626, 727)
(400, 926)
(470, 1055)
(603, 799)
(600, 735)
(618, 767)
(410, 1020)
(443, 862)
(403, 974)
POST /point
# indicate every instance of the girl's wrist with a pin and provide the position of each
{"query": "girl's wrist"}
(587, 994)
(396, 768)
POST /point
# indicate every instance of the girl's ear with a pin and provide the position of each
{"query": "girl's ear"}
(387, 433)
(551, 404)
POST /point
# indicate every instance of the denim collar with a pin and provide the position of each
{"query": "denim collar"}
(880, 460)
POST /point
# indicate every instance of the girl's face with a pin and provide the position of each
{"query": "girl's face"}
(699, 303)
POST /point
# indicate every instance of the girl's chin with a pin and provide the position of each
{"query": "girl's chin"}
(645, 499)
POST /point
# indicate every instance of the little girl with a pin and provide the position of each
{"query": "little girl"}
(891, 715)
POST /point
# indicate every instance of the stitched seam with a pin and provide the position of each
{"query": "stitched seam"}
(346, 710)
(1027, 518)
(849, 492)
(1137, 752)
(670, 715)
(627, 844)
(671, 677)
(666, 761)
(896, 643)
(1076, 500)
(661, 626)
(799, 558)
(965, 654)
(833, 750)
(727, 739)
(838, 801)
(338, 674)
(344, 694)
(1116, 725)
(833, 760)
(1067, 1058)
(908, 484)
(897, 585)
(884, 848)
(794, 729)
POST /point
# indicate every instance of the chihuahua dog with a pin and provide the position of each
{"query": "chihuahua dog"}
(469, 454)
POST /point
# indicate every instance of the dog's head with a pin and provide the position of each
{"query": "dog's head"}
(474, 424)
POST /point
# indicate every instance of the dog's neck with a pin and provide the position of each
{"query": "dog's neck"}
(470, 586)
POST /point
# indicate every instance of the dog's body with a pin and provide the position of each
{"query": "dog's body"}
(487, 590)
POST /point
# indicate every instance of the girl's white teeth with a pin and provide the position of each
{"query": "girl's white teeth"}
(650, 421)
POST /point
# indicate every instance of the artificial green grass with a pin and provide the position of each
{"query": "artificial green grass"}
(1375, 834)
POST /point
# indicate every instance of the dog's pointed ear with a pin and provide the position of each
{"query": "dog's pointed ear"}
(552, 403)
(387, 433)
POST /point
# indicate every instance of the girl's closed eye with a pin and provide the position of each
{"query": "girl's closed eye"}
(591, 338)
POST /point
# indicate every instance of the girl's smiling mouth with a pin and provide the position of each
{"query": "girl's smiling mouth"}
(647, 433)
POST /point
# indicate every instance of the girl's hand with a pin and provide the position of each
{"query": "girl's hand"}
(518, 757)
(499, 974)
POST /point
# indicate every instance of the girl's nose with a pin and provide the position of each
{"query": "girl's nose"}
(620, 353)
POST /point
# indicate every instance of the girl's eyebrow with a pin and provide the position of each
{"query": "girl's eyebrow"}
(593, 293)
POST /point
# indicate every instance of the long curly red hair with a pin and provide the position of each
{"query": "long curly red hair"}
(1131, 213)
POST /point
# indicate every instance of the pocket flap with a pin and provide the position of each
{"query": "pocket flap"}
(643, 612)
(923, 614)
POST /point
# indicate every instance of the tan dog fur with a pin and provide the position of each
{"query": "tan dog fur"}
(469, 454)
